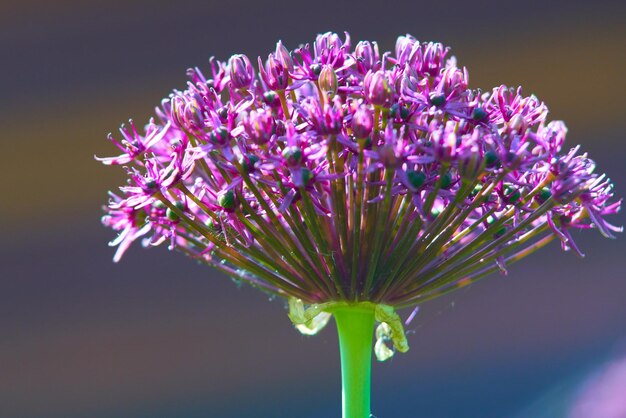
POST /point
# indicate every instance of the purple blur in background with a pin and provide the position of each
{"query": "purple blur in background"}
(160, 336)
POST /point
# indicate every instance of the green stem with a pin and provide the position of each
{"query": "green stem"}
(355, 325)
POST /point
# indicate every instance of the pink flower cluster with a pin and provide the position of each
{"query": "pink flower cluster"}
(334, 173)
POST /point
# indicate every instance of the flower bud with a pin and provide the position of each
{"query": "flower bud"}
(453, 81)
(316, 69)
(479, 114)
(362, 122)
(416, 178)
(432, 58)
(247, 162)
(177, 107)
(437, 99)
(366, 55)
(491, 159)
(241, 71)
(219, 136)
(150, 184)
(227, 200)
(400, 111)
(328, 80)
(259, 125)
(292, 156)
(377, 88)
(213, 226)
(302, 177)
(274, 74)
(544, 194)
(445, 143)
(187, 113)
(445, 181)
(329, 49)
(222, 113)
(333, 117)
(326, 119)
(284, 57)
(171, 215)
(409, 82)
(404, 46)
(511, 193)
(271, 98)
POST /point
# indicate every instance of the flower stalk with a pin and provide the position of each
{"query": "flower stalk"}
(355, 327)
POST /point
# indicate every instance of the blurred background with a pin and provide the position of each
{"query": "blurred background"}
(159, 336)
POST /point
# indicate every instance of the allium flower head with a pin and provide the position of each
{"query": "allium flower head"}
(340, 174)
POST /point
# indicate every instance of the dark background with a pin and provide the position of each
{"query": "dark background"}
(159, 336)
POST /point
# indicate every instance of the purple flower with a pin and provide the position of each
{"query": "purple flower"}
(241, 71)
(129, 223)
(362, 122)
(283, 56)
(377, 88)
(135, 145)
(329, 49)
(346, 175)
(275, 75)
(367, 57)
(259, 126)
(326, 119)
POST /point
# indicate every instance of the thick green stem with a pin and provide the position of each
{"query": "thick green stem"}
(355, 325)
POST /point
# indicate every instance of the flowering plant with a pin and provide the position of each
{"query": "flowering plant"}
(353, 183)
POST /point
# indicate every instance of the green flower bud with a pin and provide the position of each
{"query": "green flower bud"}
(212, 225)
(247, 162)
(445, 181)
(512, 194)
(292, 156)
(500, 231)
(171, 215)
(271, 98)
(151, 183)
(416, 178)
(479, 114)
(491, 159)
(307, 176)
(400, 111)
(437, 99)
(219, 136)
(544, 194)
(227, 200)
(316, 69)
(476, 190)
